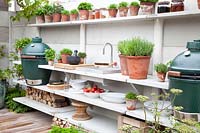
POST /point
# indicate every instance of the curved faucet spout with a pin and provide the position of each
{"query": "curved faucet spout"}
(111, 51)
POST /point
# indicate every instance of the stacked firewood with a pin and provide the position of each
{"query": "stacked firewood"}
(50, 99)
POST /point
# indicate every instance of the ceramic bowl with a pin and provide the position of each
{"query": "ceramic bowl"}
(113, 97)
(78, 84)
(92, 95)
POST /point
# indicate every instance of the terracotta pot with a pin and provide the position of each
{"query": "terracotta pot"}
(138, 66)
(134, 10)
(161, 76)
(48, 18)
(83, 14)
(56, 17)
(97, 14)
(73, 17)
(147, 8)
(91, 16)
(198, 2)
(50, 62)
(123, 11)
(82, 61)
(64, 58)
(60, 61)
(123, 64)
(112, 12)
(40, 19)
(131, 104)
(64, 17)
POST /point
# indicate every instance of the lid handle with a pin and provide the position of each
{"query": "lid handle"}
(174, 73)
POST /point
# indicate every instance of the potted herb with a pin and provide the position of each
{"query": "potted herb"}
(82, 55)
(59, 59)
(131, 101)
(57, 12)
(161, 70)
(123, 60)
(123, 9)
(50, 56)
(84, 8)
(39, 15)
(64, 15)
(64, 55)
(48, 11)
(73, 15)
(147, 6)
(138, 52)
(21, 43)
(134, 8)
(112, 10)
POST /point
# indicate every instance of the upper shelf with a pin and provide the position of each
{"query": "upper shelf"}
(182, 14)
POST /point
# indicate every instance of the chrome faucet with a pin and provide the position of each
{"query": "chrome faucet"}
(111, 51)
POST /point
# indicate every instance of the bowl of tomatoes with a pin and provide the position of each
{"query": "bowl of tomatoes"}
(93, 92)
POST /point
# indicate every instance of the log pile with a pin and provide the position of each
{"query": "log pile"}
(50, 99)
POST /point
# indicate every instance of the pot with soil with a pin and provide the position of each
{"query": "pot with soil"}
(48, 11)
(64, 15)
(131, 101)
(112, 10)
(73, 15)
(84, 8)
(147, 7)
(64, 55)
(161, 70)
(82, 56)
(123, 9)
(39, 15)
(134, 8)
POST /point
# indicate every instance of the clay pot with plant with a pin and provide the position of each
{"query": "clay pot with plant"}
(73, 15)
(84, 8)
(64, 55)
(134, 8)
(161, 70)
(64, 15)
(112, 10)
(123, 60)
(39, 15)
(21, 43)
(50, 56)
(131, 101)
(138, 52)
(57, 12)
(82, 55)
(48, 11)
(147, 7)
(123, 9)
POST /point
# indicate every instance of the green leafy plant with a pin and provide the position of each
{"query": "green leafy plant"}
(57, 8)
(2, 53)
(65, 12)
(11, 104)
(48, 9)
(6, 74)
(82, 54)
(13, 56)
(85, 6)
(138, 47)
(50, 54)
(122, 47)
(21, 43)
(113, 6)
(39, 11)
(66, 51)
(135, 3)
(74, 11)
(131, 96)
(56, 129)
(123, 4)
(153, 1)
(18, 70)
(161, 68)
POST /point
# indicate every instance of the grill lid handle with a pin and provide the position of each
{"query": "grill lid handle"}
(174, 73)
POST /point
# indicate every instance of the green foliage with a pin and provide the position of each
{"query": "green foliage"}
(122, 47)
(112, 6)
(58, 57)
(65, 12)
(161, 68)
(6, 74)
(138, 47)
(154, 1)
(135, 3)
(21, 43)
(57, 8)
(82, 54)
(2, 53)
(56, 129)
(39, 12)
(131, 96)
(48, 9)
(74, 11)
(85, 6)
(123, 4)
(11, 104)
(13, 56)
(66, 51)
(50, 54)
(18, 70)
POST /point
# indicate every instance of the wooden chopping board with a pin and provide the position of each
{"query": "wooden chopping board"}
(71, 67)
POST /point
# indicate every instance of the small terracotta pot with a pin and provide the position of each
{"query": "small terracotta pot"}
(138, 66)
(50, 62)
(40, 19)
(134, 10)
(48, 18)
(64, 58)
(60, 61)
(123, 64)
(123, 11)
(91, 16)
(73, 17)
(112, 12)
(198, 2)
(147, 8)
(56, 17)
(82, 61)
(97, 14)
(161, 76)
(131, 104)
(64, 17)
(83, 14)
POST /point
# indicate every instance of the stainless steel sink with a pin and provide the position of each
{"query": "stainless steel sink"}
(101, 70)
